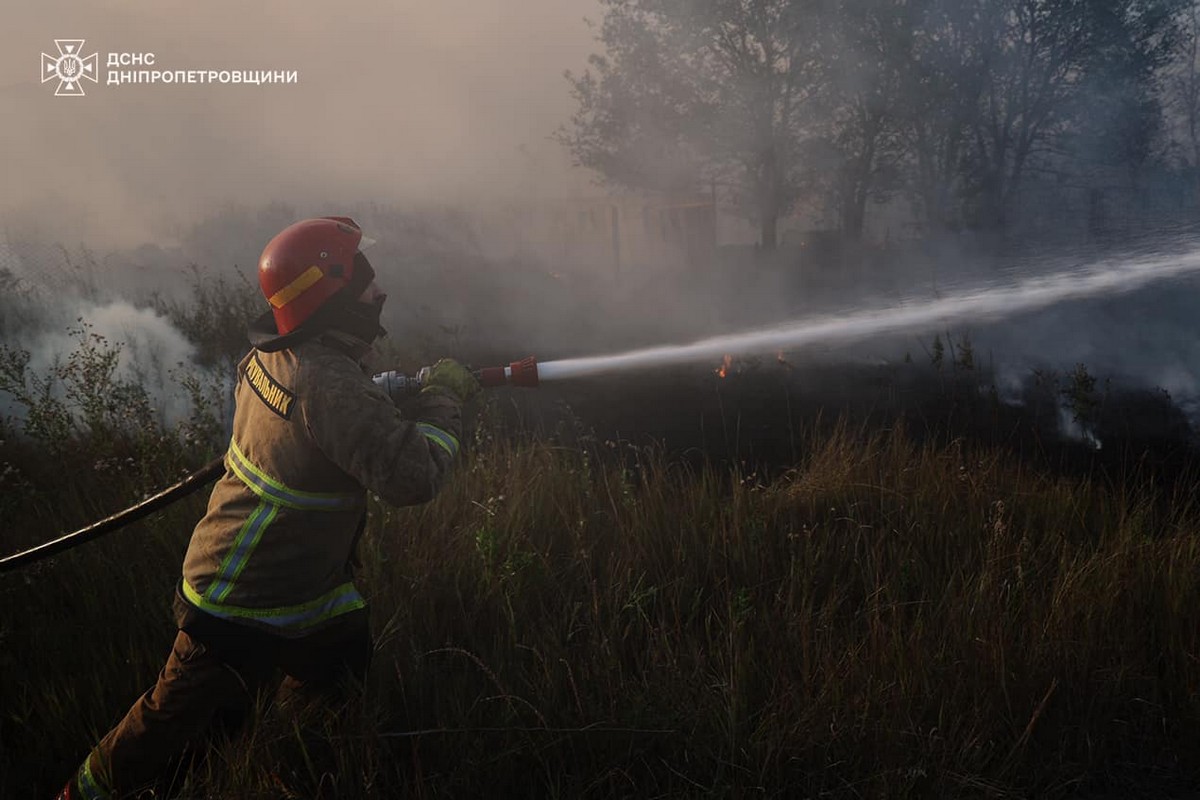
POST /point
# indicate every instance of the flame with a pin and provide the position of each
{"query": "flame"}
(726, 363)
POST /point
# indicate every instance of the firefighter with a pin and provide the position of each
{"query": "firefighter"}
(267, 582)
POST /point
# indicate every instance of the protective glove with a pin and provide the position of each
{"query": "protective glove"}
(455, 378)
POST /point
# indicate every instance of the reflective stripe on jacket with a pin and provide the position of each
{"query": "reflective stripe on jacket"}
(311, 434)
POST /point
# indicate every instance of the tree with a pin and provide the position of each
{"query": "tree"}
(1041, 56)
(1182, 86)
(939, 74)
(873, 42)
(690, 91)
(828, 97)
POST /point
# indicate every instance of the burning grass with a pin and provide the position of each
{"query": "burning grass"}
(888, 618)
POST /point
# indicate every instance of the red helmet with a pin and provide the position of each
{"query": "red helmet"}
(307, 264)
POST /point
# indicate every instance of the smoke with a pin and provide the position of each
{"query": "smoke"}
(400, 103)
(1144, 339)
(108, 198)
(430, 124)
(51, 313)
(151, 351)
(989, 303)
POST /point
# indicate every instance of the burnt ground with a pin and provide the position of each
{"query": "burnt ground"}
(492, 313)
(761, 414)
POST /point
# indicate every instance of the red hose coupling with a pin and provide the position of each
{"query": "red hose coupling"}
(524, 372)
(518, 373)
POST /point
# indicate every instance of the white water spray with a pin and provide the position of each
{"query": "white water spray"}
(984, 304)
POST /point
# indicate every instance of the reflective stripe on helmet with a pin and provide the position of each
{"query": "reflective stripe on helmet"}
(445, 440)
(289, 293)
(286, 273)
(239, 555)
(274, 491)
(341, 600)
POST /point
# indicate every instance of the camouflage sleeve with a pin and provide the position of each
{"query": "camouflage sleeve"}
(403, 459)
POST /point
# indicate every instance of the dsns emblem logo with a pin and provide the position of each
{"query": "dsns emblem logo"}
(69, 67)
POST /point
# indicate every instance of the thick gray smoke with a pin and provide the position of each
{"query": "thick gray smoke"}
(150, 349)
(431, 123)
(51, 319)
(398, 103)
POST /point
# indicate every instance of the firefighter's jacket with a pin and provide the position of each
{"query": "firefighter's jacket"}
(311, 435)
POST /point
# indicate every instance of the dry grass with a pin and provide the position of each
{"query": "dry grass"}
(886, 620)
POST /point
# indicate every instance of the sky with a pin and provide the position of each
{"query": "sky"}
(396, 102)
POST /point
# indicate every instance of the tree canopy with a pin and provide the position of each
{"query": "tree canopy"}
(949, 102)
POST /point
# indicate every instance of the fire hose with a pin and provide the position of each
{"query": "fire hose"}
(398, 386)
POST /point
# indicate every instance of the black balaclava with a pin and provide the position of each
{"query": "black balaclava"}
(360, 320)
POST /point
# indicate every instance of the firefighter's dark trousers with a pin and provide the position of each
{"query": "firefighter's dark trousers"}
(209, 685)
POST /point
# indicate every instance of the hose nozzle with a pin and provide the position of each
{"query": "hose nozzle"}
(518, 373)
